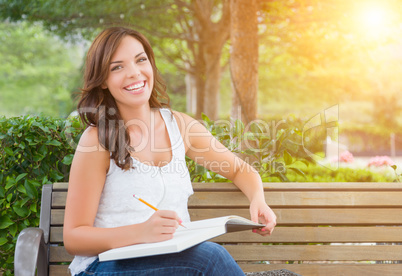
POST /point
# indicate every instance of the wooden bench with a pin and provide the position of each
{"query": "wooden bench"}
(323, 229)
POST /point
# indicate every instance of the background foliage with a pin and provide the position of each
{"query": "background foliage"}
(313, 54)
(33, 151)
(38, 72)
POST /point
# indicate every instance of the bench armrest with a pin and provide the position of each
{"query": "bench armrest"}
(31, 252)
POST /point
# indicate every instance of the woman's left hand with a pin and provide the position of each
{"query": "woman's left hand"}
(260, 212)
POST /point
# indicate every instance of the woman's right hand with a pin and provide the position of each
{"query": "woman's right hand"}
(161, 226)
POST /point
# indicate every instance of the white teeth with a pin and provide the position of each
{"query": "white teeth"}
(135, 86)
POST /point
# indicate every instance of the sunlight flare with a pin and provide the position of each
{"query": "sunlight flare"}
(374, 20)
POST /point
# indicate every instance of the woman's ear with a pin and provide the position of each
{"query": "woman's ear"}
(104, 86)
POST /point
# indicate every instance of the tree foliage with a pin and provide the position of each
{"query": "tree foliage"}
(196, 31)
(38, 71)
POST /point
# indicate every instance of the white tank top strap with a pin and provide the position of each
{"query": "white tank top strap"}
(174, 133)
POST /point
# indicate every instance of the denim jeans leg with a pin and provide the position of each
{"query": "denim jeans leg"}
(205, 259)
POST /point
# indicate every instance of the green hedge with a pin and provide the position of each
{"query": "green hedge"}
(317, 173)
(33, 151)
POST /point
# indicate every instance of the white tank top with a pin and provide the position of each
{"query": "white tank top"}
(167, 187)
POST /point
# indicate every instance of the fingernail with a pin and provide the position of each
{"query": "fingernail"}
(180, 221)
(263, 230)
(254, 231)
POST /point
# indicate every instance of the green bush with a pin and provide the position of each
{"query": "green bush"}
(317, 173)
(272, 153)
(33, 151)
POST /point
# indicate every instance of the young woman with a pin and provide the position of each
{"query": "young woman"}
(135, 144)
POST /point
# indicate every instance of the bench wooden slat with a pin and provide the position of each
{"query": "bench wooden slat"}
(245, 252)
(58, 254)
(335, 234)
(302, 269)
(315, 252)
(330, 269)
(297, 217)
(300, 199)
(300, 234)
(59, 270)
(293, 186)
(283, 199)
(340, 216)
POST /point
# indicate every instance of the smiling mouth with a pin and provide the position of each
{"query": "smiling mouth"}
(135, 86)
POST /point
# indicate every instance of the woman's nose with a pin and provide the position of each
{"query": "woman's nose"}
(133, 71)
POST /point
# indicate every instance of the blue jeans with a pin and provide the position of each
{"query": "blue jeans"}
(205, 259)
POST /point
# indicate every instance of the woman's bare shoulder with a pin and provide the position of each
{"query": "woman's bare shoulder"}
(90, 149)
(183, 119)
(89, 140)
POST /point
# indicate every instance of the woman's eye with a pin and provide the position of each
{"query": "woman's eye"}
(142, 59)
(116, 67)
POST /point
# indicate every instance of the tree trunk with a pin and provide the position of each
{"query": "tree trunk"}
(211, 38)
(200, 90)
(199, 76)
(212, 81)
(244, 59)
(191, 93)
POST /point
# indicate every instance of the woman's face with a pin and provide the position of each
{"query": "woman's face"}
(130, 79)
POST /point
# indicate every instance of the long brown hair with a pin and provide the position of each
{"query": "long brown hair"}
(98, 108)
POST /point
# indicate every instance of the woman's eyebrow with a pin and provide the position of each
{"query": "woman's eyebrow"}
(119, 61)
(139, 54)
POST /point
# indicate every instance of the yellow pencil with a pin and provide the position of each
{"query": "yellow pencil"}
(149, 205)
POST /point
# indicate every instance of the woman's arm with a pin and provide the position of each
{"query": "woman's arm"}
(87, 178)
(207, 151)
